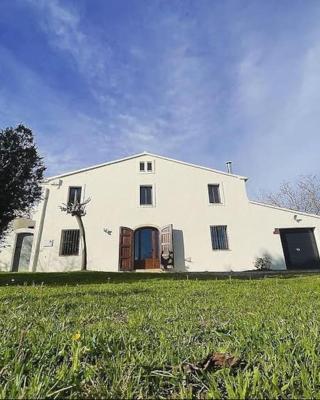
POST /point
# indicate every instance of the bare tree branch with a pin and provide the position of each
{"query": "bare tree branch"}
(301, 195)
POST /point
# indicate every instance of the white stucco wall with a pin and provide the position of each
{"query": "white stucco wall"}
(181, 199)
(19, 225)
(6, 250)
(263, 221)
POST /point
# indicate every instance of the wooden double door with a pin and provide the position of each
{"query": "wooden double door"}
(145, 248)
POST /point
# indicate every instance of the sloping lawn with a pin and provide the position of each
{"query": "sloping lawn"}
(133, 337)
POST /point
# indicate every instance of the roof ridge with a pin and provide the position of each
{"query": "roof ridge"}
(139, 155)
(258, 203)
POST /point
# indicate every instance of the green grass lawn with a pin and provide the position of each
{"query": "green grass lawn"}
(132, 336)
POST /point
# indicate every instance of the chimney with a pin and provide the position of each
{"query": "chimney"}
(229, 167)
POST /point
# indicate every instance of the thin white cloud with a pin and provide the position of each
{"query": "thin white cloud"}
(121, 130)
(278, 101)
(176, 108)
(262, 112)
(63, 26)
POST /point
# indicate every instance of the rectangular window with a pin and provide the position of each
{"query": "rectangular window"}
(145, 195)
(74, 194)
(69, 245)
(149, 166)
(219, 237)
(142, 166)
(214, 194)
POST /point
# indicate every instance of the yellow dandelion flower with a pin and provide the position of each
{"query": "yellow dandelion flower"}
(76, 336)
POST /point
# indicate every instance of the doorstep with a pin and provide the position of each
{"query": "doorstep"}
(152, 270)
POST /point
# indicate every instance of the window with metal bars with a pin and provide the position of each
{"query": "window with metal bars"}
(214, 193)
(219, 237)
(69, 245)
(145, 195)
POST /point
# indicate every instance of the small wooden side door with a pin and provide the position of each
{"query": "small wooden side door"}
(166, 247)
(126, 249)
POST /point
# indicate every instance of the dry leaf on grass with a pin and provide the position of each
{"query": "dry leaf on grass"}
(213, 361)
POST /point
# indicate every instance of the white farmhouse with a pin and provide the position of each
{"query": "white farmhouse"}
(149, 212)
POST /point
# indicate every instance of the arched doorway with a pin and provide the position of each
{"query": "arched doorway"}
(22, 252)
(146, 248)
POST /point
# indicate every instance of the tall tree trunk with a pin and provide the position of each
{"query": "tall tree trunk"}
(84, 250)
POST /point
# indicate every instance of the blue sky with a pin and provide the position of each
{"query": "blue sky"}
(201, 81)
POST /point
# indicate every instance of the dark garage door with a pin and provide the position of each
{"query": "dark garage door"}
(300, 248)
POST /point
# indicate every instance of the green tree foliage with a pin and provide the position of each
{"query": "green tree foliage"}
(21, 170)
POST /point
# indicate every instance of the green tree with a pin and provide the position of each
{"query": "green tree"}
(21, 171)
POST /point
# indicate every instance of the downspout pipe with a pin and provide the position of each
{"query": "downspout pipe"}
(40, 230)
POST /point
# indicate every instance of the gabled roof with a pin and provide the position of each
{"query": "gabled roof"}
(145, 153)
